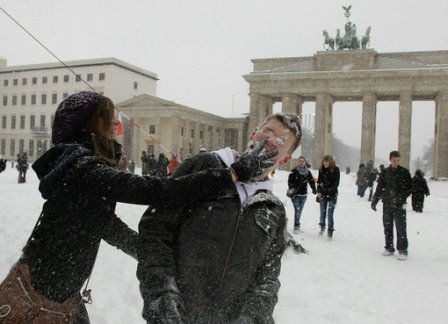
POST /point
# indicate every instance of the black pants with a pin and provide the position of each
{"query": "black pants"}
(395, 215)
(417, 202)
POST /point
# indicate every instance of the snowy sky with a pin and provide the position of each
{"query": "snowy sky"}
(200, 49)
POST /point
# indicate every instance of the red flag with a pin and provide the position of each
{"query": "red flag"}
(120, 128)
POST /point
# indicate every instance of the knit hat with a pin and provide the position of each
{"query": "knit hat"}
(72, 113)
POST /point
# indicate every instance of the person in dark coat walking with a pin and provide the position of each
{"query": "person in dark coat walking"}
(371, 175)
(81, 184)
(2, 165)
(131, 166)
(218, 261)
(152, 165)
(361, 180)
(394, 187)
(22, 166)
(298, 181)
(145, 164)
(327, 193)
(161, 167)
(419, 191)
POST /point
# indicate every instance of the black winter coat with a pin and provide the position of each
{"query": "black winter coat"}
(81, 192)
(419, 186)
(218, 261)
(394, 187)
(328, 182)
(299, 183)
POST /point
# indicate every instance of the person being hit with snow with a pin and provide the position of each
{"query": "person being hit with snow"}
(81, 185)
(419, 191)
(218, 261)
(394, 187)
(327, 193)
(298, 181)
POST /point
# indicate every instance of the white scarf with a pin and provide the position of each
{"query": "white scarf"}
(245, 190)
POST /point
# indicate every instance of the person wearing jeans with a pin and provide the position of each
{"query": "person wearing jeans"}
(327, 192)
(298, 180)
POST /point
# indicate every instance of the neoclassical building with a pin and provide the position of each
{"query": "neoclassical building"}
(171, 128)
(356, 75)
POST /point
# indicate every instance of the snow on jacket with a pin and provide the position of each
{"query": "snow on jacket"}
(81, 192)
(299, 182)
(394, 187)
(216, 260)
(328, 182)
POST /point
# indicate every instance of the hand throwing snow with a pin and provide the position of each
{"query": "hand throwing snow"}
(253, 163)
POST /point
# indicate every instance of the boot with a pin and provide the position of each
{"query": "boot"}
(296, 229)
(330, 233)
(322, 229)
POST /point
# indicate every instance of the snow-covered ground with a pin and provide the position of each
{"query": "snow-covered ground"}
(345, 280)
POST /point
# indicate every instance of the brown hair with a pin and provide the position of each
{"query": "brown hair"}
(331, 166)
(103, 143)
(291, 121)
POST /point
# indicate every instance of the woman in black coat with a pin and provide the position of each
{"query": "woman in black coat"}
(327, 192)
(81, 184)
(419, 191)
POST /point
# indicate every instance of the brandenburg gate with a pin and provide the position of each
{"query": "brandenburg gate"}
(356, 75)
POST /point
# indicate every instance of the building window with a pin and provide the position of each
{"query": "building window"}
(23, 100)
(5, 100)
(31, 148)
(32, 121)
(89, 76)
(2, 146)
(135, 85)
(44, 80)
(34, 80)
(64, 95)
(181, 131)
(5, 83)
(15, 82)
(24, 81)
(201, 134)
(43, 99)
(152, 129)
(4, 122)
(33, 99)
(42, 121)
(78, 77)
(192, 132)
(54, 98)
(14, 100)
(21, 145)
(12, 147)
(22, 121)
(55, 79)
(102, 76)
(13, 122)
(66, 78)
(150, 149)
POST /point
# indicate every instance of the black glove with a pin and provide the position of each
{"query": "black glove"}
(167, 309)
(373, 205)
(252, 163)
(244, 319)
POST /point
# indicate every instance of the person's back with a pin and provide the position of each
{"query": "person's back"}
(221, 249)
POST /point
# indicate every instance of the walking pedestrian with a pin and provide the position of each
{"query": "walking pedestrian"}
(298, 181)
(327, 193)
(419, 191)
(394, 187)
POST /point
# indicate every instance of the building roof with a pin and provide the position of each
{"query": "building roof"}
(81, 63)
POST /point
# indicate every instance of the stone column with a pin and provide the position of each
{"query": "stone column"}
(136, 152)
(185, 138)
(368, 129)
(292, 103)
(404, 127)
(440, 163)
(240, 147)
(175, 132)
(253, 113)
(323, 128)
(196, 138)
(213, 138)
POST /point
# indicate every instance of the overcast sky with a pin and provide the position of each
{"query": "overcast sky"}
(201, 48)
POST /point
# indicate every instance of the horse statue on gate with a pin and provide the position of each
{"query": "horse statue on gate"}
(365, 41)
(328, 41)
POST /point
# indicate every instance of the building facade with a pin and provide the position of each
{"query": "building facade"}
(29, 95)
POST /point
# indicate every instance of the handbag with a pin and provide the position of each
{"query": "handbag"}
(21, 303)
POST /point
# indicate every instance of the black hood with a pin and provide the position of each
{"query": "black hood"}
(53, 164)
